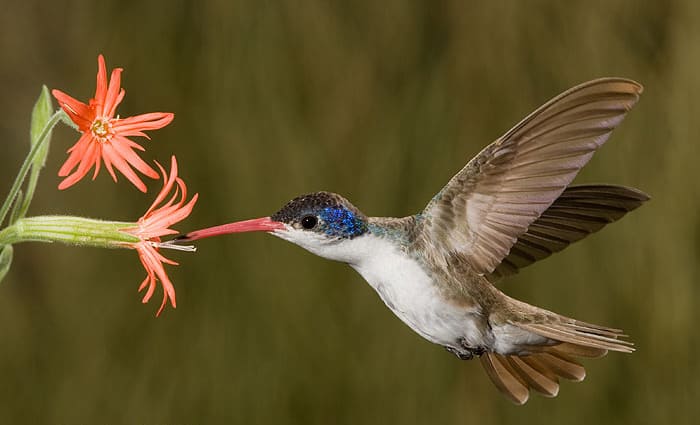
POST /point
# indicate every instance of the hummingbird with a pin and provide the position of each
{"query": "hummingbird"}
(509, 207)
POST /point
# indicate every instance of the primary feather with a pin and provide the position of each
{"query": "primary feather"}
(493, 200)
(578, 212)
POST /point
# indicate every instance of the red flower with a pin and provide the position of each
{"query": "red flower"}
(104, 136)
(154, 224)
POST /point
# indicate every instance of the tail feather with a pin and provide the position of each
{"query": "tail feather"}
(563, 366)
(574, 350)
(539, 380)
(577, 334)
(505, 378)
(515, 376)
(539, 367)
(596, 329)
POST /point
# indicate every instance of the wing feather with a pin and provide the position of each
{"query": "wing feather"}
(498, 195)
(578, 212)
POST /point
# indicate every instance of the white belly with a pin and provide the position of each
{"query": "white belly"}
(411, 294)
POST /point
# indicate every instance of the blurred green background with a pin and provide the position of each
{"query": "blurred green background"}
(382, 102)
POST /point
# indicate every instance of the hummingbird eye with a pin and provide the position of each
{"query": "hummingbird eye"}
(309, 222)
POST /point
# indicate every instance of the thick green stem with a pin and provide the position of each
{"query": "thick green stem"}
(27, 164)
(69, 230)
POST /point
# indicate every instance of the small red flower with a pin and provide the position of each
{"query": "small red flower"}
(154, 224)
(104, 135)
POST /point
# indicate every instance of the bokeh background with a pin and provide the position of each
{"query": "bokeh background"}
(382, 102)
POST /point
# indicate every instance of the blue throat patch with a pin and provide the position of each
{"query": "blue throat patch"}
(341, 222)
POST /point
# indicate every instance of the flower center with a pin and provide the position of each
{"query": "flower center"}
(101, 128)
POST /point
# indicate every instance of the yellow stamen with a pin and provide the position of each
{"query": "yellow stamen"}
(102, 129)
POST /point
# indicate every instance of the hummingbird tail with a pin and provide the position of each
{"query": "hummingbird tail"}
(540, 368)
(515, 376)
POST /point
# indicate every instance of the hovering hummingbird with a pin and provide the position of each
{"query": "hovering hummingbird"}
(507, 208)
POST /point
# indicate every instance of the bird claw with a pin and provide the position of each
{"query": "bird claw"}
(465, 352)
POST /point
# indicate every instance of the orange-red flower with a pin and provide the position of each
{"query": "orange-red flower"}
(156, 223)
(104, 135)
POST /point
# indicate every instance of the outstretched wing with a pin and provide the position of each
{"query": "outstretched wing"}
(578, 212)
(493, 200)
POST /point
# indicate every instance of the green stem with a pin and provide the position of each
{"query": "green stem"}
(69, 230)
(27, 163)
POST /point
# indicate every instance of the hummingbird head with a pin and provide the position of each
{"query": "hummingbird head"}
(324, 213)
(319, 222)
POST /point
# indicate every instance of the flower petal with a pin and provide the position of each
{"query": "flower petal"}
(87, 161)
(158, 226)
(167, 186)
(130, 156)
(80, 113)
(114, 93)
(108, 166)
(116, 159)
(77, 152)
(150, 121)
(98, 160)
(152, 262)
(150, 279)
(101, 84)
(113, 109)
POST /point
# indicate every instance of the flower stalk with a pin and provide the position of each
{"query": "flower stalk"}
(69, 230)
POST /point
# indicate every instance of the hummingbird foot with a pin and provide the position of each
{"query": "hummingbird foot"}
(466, 352)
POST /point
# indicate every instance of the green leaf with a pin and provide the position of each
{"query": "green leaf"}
(26, 167)
(43, 109)
(41, 114)
(5, 260)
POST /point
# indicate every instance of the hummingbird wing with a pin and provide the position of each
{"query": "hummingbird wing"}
(578, 212)
(493, 200)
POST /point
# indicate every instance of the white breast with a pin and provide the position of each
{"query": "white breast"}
(401, 282)
(405, 287)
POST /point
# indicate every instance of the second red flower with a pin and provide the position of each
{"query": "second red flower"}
(104, 136)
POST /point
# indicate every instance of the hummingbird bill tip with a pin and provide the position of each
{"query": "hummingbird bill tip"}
(182, 237)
